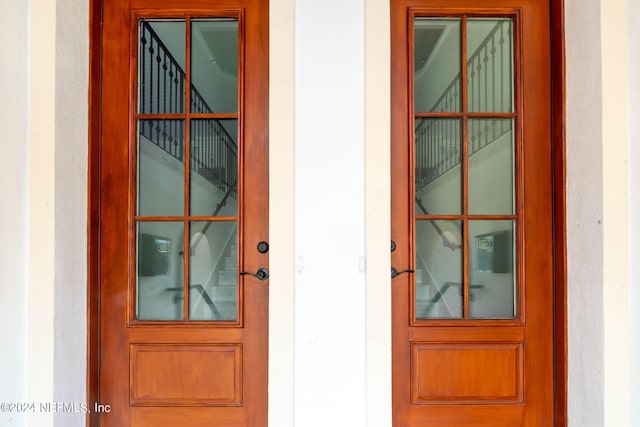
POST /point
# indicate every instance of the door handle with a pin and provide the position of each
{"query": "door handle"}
(262, 274)
(395, 273)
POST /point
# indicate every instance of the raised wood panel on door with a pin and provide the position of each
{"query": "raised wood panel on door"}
(466, 372)
(202, 375)
(174, 373)
(469, 373)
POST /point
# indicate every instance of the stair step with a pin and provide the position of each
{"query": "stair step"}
(223, 293)
(227, 278)
(230, 263)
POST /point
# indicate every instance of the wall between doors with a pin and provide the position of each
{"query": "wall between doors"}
(329, 365)
(44, 165)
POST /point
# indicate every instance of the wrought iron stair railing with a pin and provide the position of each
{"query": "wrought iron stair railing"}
(213, 152)
(437, 140)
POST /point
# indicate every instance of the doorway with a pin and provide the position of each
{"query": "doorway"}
(184, 248)
(472, 214)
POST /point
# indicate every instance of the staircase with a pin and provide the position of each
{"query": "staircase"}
(438, 140)
(224, 290)
(213, 151)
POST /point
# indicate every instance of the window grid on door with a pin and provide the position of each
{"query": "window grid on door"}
(184, 128)
(464, 115)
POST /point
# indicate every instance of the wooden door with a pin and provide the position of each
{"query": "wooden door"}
(472, 213)
(183, 213)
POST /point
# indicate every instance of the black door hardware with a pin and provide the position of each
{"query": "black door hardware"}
(263, 247)
(262, 274)
(395, 273)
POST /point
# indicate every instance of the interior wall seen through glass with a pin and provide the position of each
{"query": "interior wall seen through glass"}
(437, 57)
(439, 269)
(492, 272)
(213, 272)
(159, 270)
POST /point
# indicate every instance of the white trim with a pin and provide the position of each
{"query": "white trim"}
(281, 210)
(378, 212)
(615, 218)
(41, 252)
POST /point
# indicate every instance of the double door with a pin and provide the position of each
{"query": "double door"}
(183, 208)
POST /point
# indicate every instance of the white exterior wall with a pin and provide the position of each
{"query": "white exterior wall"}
(43, 217)
(584, 213)
(602, 279)
(329, 213)
(14, 210)
(71, 134)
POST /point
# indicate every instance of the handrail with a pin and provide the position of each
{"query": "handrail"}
(438, 140)
(445, 241)
(434, 283)
(214, 153)
(203, 293)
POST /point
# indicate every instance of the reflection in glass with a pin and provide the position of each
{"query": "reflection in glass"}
(491, 166)
(437, 55)
(213, 272)
(161, 59)
(214, 66)
(492, 269)
(439, 270)
(438, 172)
(214, 167)
(160, 289)
(490, 65)
(160, 184)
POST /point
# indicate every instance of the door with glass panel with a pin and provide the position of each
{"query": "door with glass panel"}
(471, 214)
(183, 232)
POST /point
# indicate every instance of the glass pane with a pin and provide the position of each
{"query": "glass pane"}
(491, 166)
(437, 53)
(490, 65)
(160, 289)
(160, 167)
(492, 269)
(214, 167)
(438, 172)
(214, 66)
(213, 271)
(439, 273)
(161, 59)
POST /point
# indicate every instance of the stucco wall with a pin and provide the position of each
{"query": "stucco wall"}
(14, 211)
(601, 162)
(329, 213)
(584, 213)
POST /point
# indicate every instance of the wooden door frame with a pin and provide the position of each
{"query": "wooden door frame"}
(560, 354)
(96, 15)
(559, 209)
